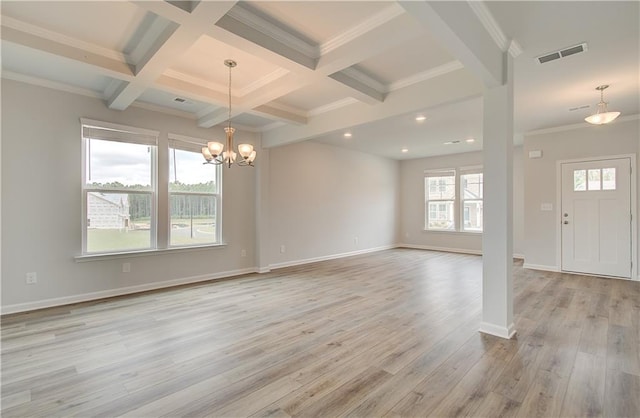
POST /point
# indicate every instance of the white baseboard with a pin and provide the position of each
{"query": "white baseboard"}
(443, 249)
(497, 330)
(85, 297)
(330, 257)
(540, 267)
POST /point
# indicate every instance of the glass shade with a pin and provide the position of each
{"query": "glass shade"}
(252, 157)
(215, 148)
(245, 150)
(206, 154)
(602, 118)
(229, 156)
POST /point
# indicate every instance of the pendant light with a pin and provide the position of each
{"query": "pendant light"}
(602, 115)
(214, 152)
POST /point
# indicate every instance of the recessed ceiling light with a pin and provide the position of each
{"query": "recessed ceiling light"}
(405, 150)
(347, 134)
(420, 118)
(470, 140)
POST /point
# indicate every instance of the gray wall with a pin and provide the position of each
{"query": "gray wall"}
(325, 200)
(620, 137)
(318, 198)
(412, 232)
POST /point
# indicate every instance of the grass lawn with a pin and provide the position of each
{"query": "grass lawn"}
(182, 233)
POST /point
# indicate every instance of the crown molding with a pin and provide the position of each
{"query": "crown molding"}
(220, 88)
(55, 85)
(261, 82)
(363, 78)
(360, 29)
(285, 108)
(582, 125)
(21, 26)
(273, 31)
(271, 126)
(493, 28)
(425, 75)
(332, 106)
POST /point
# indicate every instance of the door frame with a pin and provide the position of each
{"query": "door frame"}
(634, 212)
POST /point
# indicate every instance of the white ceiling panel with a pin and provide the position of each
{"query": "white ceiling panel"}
(416, 56)
(387, 137)
(253, 121)
(313, 96)
(165, 99)
(109, 24)
(205, 61)
(319, 21)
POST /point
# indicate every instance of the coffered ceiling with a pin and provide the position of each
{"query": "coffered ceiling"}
(315, 69)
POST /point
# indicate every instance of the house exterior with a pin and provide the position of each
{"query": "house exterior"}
(108, 211)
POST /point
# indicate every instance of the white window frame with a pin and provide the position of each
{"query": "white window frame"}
(427, 212)
(92, 129)
(186, 143)
(463, 172)
(458, 200)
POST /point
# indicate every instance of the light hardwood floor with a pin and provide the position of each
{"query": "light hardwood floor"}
(387, 334)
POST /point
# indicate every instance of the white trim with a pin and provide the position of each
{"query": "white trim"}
(518, 256)
(360, 29)
(497, 330)
(85, 297)
(118, 127)
(332, 106)
(330, 257)
(442, 249)
(493, 28)
(582, 125)
(261, 82)
(542, 267)
(274, 32)
(55, 85)
(424, 76)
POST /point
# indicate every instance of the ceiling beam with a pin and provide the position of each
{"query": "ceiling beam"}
(176, 39)
(457, 26)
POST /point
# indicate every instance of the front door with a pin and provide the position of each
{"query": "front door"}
(596, 217)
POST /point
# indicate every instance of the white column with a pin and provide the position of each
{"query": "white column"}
(262, 210)
(497, 238)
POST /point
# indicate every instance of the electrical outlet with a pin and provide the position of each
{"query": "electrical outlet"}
(32, 278)
(126, 267)
(406, 235)
(355, 240)
(283, 249)
(243, 253)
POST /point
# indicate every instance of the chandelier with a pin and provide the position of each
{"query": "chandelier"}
(214, 152)
(602, 115)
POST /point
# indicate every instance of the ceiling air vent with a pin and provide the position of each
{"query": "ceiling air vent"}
(179, 100)
(552, 56)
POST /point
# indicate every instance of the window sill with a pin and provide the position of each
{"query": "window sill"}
(144, 253)
(437, 231)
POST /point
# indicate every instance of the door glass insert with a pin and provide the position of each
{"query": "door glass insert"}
(608, 179)
(579, 180)
(593, 182)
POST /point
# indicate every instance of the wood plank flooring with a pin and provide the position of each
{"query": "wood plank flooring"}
(387, 334)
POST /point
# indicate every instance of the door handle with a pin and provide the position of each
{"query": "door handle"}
(566, 222)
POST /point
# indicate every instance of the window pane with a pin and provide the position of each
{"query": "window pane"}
(608, 179)
(471, 186)
(441, 215)
(579, 180)
(441, 187)
(193, 219)
(594, 179)
(118, 164)
(118, 221)
(472, 215)
(187, 173)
